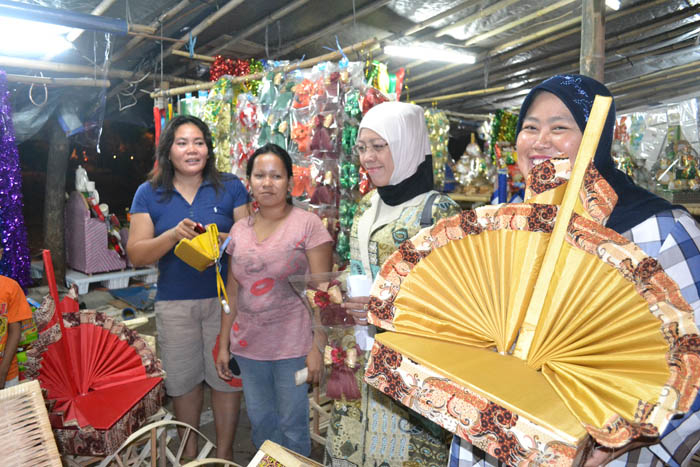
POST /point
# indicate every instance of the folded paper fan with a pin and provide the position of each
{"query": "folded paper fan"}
(200, 251)
(100, 379)
(522, 328)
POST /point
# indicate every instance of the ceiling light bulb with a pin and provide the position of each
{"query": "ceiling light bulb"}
(429, 53)
(613, 4)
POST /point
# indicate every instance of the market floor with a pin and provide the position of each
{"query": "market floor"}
(243, 450)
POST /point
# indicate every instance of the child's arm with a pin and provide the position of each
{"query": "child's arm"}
(13, 334)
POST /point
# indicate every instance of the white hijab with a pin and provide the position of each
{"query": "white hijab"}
(403, 126)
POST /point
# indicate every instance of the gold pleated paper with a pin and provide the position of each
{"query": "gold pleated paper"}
(549, 322)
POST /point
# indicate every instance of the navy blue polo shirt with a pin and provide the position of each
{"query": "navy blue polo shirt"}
(177, 280)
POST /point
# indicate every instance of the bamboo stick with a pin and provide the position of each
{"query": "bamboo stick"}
(592, 55)
(517, 22)
(142, 28)
(413, 30)
(466, 116)
(13, 62)
(541, 33)
(550, 60)
(655, 76)
(615, 16)
(655, 24)
(259, 25)
(332, 27)
(305, 64)
(557, 27)
(434, 19)
(154, 37)
(201, 27)
(471, 18)
(655, 90)
(87, 82)
(657, 39)
(446, 97)
(628, 105)
(202, 58)
(161, 19)
(636, 82)
(97, 11)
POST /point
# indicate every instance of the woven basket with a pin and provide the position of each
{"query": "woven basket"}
(25, 431)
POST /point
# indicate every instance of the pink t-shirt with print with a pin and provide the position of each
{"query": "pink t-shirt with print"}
(272, 322)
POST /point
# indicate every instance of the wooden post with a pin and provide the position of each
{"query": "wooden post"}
(592, 59)
(54, 198)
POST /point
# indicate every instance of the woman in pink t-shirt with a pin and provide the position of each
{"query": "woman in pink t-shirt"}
(269, 330)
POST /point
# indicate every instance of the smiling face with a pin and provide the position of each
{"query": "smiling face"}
(549, 130)
(375, 157)
(269, 180)
(189, 151)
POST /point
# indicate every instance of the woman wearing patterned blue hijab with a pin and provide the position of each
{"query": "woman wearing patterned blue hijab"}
(577, 92)
(552, 119)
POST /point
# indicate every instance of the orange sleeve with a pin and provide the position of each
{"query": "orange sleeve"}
(18, 307)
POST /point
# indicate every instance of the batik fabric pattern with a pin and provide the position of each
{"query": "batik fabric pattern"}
(409, 382)
(375, 430)
(673, 239)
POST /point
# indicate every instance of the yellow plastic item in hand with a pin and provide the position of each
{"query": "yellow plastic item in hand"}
(200, 251)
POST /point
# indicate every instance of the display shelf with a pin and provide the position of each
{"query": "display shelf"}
(110, 280)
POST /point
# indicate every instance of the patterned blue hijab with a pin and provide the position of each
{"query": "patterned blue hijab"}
(634, 204)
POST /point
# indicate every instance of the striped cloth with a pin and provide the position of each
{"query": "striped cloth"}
(673, 238)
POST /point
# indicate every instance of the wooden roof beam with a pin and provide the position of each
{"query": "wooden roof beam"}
(282, 12)
(305, 64)
(484, 12)
(13, 62)
(201, 27)
(124, 51)
(332, 28)
(526, 39)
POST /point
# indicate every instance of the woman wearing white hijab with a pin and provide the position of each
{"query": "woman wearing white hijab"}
(393, 147)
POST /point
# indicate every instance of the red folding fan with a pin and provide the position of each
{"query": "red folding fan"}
(100, 379)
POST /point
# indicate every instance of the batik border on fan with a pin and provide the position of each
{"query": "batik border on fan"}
(495, 429)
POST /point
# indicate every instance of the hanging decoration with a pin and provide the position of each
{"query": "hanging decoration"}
(15, 261)
(439, 134)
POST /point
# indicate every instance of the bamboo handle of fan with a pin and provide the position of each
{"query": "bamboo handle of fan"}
(586, 151)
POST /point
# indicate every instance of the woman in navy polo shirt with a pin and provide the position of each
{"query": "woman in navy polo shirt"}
(185, 189)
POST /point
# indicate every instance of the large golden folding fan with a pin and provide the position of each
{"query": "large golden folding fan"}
(524, 327)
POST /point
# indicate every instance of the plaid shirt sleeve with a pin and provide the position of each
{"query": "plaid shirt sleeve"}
(673, 239)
